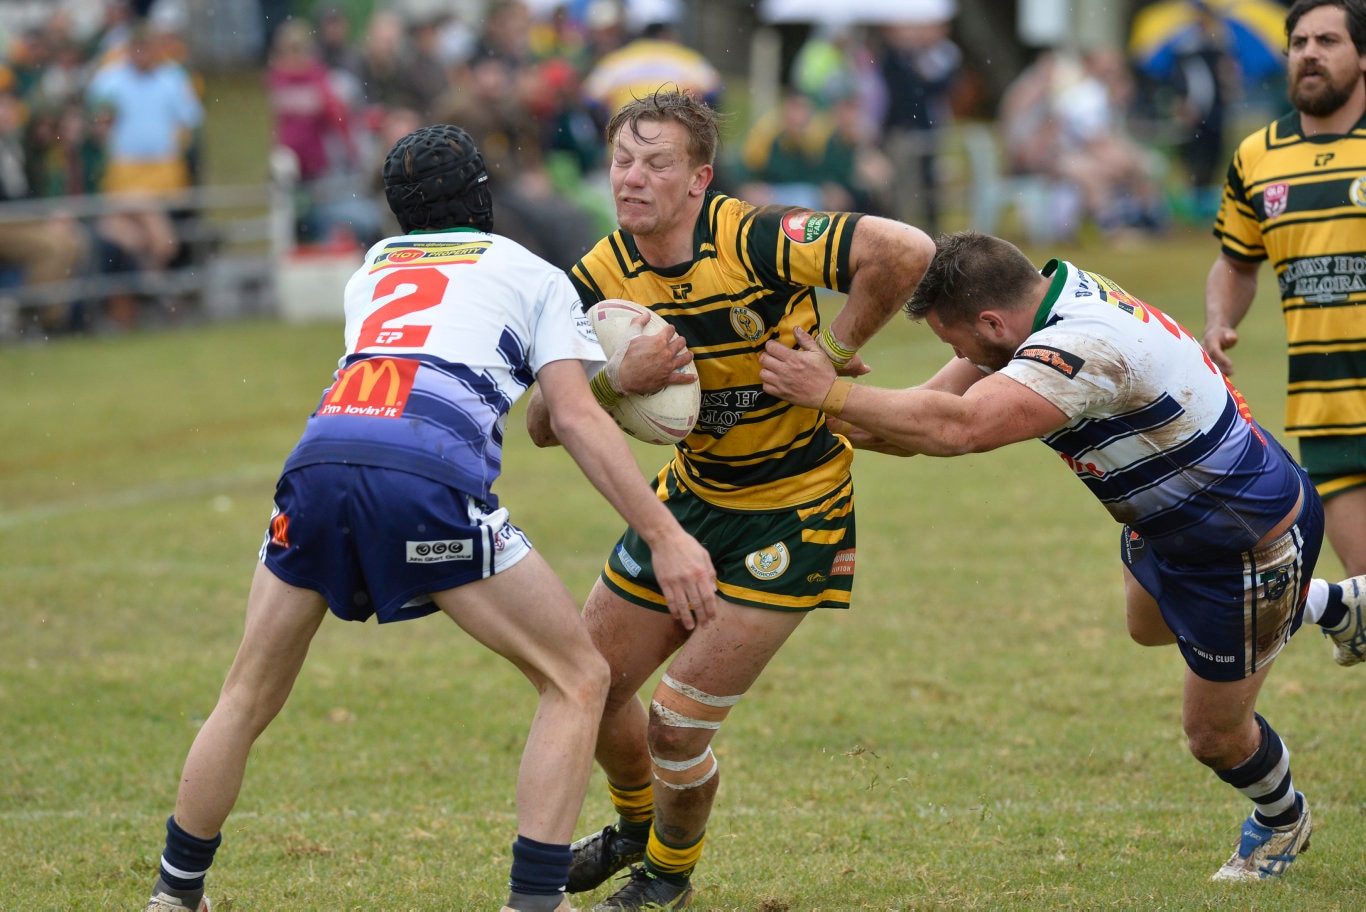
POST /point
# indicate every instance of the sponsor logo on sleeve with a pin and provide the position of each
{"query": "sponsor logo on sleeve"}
(805, 226)
(437, 552)
(1063, 362)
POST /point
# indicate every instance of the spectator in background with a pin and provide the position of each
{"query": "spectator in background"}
(66, 156)
(111, 37)
(1205, 82)
(312, 122)
(801, 156)
(27, 58)
(919, 64)
(506, 33)
(1119, 179)
(424, 73)
(308, 117)
(835, 63)
(1065, 118)
(488, 99)
(336, 46)
(781, 155)
(383, 50)
(567, 123)
(656, 60)
(155, 112)
(32, 251)
(604, 30)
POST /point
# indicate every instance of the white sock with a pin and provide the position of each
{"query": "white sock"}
(1316, 601)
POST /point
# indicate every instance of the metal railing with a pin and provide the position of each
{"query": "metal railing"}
(231, 238)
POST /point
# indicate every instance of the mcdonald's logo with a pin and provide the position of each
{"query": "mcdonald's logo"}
(372, 388)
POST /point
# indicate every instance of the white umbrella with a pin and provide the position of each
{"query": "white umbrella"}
(862, 12)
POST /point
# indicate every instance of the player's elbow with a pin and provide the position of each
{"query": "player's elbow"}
(542, 436)
(960, 439)
(539, 421)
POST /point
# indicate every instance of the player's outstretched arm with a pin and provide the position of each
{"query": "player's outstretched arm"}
(995, 411)
(682, 566)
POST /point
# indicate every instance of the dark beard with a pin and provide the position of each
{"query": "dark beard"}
(1322, 103)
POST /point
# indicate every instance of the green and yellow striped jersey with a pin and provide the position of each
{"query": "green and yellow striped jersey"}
(752, 278)
(1301, 203)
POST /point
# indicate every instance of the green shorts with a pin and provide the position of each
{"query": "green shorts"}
(786, 560)
(1335, 464)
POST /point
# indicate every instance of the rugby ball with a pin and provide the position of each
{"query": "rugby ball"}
(664, 417)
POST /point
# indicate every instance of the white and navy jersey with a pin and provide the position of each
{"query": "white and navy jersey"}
(1156, 432)
(444, 332)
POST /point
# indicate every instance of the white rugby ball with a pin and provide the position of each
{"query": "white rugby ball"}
(665, 417)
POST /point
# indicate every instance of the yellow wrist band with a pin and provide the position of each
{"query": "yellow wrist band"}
(834, 349)
(602, 389)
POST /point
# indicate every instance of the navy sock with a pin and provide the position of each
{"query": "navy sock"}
(1336, 609)
(1265, 778)
(186, 859)
(539, 868)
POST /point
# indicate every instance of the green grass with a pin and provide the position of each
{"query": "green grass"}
(977, 733)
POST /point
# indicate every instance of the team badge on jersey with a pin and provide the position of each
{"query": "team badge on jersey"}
(768, 563)
(1275, 199)
(747, 324)
(1357, 192)
(805, 226)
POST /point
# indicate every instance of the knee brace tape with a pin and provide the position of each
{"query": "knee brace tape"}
(684, 706)
(680, 705)
(685, 774)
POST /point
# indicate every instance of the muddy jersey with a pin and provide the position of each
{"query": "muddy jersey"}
(1300, 202)
(752, 278)
(444, 332)
(1156, 432)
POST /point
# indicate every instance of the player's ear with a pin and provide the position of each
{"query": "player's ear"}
(991, 322)
(701, 180)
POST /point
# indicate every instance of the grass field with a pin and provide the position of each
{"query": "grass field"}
(978, 733)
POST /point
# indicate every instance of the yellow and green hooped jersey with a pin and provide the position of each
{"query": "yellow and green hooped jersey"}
(1300, 202)
(752, 278)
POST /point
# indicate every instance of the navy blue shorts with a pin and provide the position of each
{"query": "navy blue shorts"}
(378, 541)
(1232, 616)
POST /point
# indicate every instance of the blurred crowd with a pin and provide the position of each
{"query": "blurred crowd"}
(861, 123)
(116, 111)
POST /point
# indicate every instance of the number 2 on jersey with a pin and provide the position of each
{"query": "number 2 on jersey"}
(386, 328)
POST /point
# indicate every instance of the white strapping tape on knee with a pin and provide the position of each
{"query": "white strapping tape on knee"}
(701, 696)
(680, 766)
